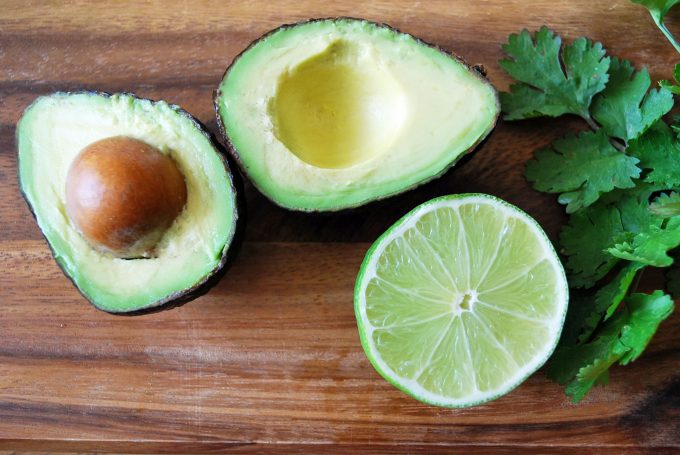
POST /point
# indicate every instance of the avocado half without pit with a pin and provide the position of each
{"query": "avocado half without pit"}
(135, 201)
(331, 114)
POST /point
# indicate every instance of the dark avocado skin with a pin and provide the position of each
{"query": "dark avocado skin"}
(229, 252)
(476, 70)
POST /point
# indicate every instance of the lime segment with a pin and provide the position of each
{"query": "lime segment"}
(460, 300)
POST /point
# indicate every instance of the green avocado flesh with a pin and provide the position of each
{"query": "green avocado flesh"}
(55, 128)
(335, 113)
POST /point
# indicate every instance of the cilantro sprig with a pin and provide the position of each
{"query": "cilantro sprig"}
(620, 183)
(549, 83)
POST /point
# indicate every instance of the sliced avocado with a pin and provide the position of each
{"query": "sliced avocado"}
(193, 248)
(330, 114)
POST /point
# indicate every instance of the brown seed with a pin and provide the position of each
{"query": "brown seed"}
(122, 194)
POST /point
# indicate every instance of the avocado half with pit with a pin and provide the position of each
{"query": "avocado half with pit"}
(330, 114)
(135, 201)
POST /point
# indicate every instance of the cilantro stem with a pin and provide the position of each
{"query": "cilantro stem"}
(669, 36)
(589, 120)
(617, 145)
(594, 126)
(637, 281)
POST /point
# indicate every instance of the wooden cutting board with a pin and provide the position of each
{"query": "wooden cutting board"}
(270, 359)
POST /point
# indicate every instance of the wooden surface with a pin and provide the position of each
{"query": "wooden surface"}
(270, 359)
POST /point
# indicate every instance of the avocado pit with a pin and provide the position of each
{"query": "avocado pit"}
(122, 194)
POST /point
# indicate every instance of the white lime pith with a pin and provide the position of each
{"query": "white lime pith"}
(461, 300)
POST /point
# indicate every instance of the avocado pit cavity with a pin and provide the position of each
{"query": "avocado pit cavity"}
(338, 108)
(122, 195)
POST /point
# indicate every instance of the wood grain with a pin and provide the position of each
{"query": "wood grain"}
(270, 359)
(271, 355)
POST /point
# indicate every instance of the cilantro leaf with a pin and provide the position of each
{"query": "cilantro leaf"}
(588, 364)
(546, 88)
(590, 231)
(633, 204)
(637, 220)
(629, 272)
(671, 87)
(658, 10)
(622, 338)
(581, 168)
(668, 85)
(597, 373)
(658, 150)
(650, 246)
(626, 108)
(607, 298)
(568, 361)
(616, 218)
(666, 205)
(646, 313)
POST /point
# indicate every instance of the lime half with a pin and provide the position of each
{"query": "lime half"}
(461, 300)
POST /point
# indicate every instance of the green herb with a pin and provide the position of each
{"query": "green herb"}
(650, 246)
(546, 88)
(659, 152)
(670, 86)
(585, 241)
(658, 10)
(581, 168)
(666, 205)
(606, 177)
(621, 338)
(626, 107)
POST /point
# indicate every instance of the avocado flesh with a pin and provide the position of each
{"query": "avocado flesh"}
(52, 132)
(334, 113)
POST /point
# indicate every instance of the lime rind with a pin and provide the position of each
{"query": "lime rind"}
(475, 397)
